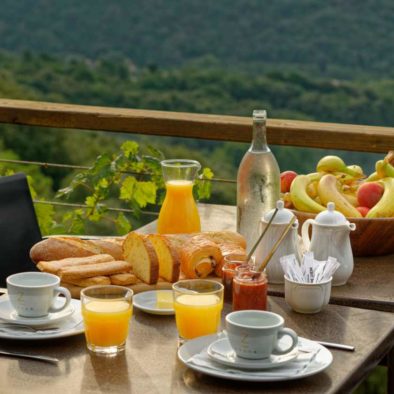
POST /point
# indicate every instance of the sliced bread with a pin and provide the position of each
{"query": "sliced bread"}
(169, 262)
(140, 253)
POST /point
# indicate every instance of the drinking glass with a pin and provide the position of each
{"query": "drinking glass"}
(106, 312)
(198, 304)
(179, 213)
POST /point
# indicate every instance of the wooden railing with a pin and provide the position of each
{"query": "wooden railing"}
(210, 127)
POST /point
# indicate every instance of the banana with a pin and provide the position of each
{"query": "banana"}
(385, 206)
(389, 170)
(336, 164)
(351, 198)
(373, 177)
(344, 178)
(356, 171)
(380, 169)
(384, 169)
(328, 192)
(299, 196)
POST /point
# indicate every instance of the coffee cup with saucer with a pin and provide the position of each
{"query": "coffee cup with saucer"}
(256, 340)
(33, 297)
(222, 352)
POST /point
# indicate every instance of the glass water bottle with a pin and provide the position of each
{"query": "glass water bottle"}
(258, 182)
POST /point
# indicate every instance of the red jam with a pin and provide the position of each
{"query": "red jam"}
(228, 273)
(249, 290)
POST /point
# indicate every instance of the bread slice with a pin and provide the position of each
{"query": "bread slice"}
(140, 253)
(169, 262)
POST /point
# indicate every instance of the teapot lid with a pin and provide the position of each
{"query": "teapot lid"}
(283, 216)
(330, 216)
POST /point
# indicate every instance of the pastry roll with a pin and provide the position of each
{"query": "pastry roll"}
(199, 257)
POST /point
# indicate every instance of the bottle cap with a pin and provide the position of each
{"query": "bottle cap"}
(283, 216)
(331, 217)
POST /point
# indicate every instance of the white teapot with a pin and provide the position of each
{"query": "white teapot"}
(331, 237)
(289, 245)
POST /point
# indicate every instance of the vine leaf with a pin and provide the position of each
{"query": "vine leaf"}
(122, 224)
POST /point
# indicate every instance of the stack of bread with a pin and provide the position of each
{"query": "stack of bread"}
(137, 257)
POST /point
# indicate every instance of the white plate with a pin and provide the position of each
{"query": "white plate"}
(319, 363)
(71, 325)
(147, 302)
(222, 352)
(8, 314)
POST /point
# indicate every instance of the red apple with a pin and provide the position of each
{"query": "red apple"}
(363, 211)
(369, 193)
(286, 178)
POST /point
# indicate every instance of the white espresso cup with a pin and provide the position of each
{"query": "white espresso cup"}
(255, 334)
(33, 294)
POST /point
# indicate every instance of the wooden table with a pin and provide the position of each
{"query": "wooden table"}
(150, 364)
(371, 285)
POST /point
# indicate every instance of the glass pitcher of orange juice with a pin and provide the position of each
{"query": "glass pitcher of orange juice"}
(179, 213)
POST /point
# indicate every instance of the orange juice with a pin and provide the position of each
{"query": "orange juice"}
(197, 315)
(106, 322)
(179, 212)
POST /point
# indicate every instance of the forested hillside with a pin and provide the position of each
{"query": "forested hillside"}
(193, 88)
(335, 37)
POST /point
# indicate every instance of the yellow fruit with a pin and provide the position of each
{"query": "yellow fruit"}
(336, 164)
(329, 192)
(385, 206)
(299, 196)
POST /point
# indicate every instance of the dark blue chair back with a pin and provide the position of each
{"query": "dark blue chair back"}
(19, 229)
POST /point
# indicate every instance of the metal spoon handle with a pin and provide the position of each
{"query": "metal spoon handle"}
(261, 236)
(337, 346)
(48, 359)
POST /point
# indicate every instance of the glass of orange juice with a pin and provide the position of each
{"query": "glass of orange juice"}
(179, 213)
(198, 304)
(106, 312)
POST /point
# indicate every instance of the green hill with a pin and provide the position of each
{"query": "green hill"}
(332, 37)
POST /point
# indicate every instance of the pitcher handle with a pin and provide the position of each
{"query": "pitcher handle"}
(305, 233)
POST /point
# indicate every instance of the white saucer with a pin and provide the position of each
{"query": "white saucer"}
(222, 352)
(193, 348)
(69, 326)
(147, 302)
(8, 314)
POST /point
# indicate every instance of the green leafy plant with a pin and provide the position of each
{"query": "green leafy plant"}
(130, 177)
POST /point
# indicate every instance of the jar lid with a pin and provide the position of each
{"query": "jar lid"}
(283, 216)
(330, 217)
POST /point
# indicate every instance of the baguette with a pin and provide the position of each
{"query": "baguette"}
(123, 279)
(89, 270)
(54, 266)
(95, 280)
(58, 248)
(140, 253)
(111, 246)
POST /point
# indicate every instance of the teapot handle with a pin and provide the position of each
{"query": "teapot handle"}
(305, 233)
